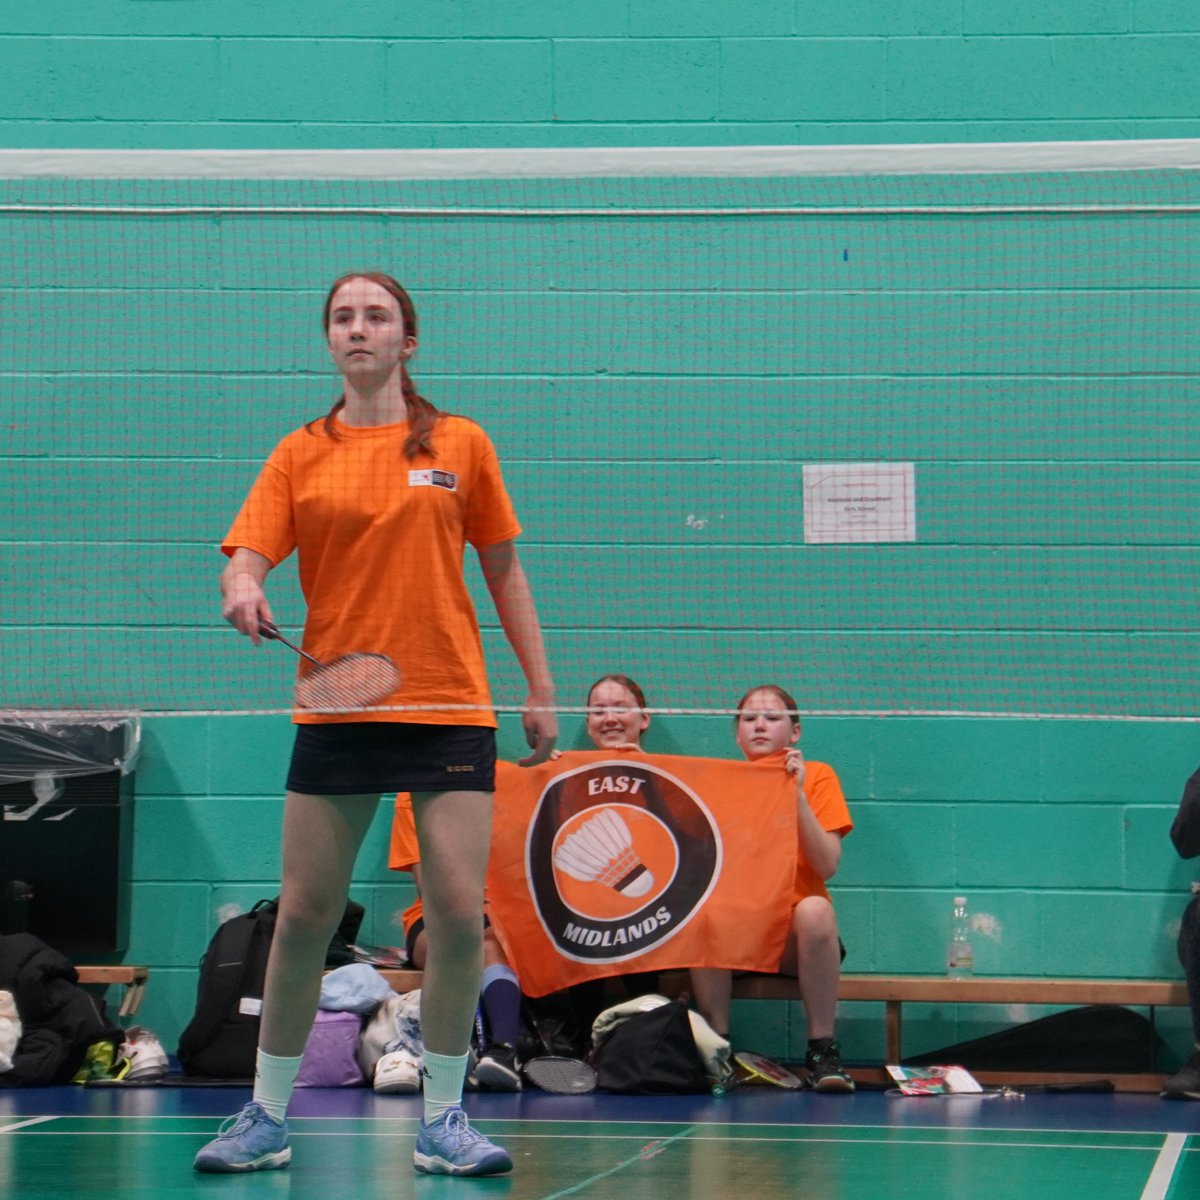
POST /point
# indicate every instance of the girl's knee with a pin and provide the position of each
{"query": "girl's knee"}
(456, 931)
(305, 921)
(813, 918)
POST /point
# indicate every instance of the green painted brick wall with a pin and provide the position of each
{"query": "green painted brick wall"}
(1056, 830)
(472, 72)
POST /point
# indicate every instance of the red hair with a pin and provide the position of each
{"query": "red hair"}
(784, 697)
(422, 416)
(628, 684)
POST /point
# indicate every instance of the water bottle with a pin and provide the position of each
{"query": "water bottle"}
(960, 956)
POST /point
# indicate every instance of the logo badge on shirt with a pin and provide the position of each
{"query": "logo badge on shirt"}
(433, 478)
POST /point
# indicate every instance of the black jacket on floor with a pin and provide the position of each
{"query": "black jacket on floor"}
(59, 1020)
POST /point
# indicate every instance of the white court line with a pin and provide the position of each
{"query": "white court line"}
(24, 1124)
(1159, 1182)
(509, 1136)
(524, 1121)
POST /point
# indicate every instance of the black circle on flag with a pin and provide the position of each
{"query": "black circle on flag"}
(620, 855)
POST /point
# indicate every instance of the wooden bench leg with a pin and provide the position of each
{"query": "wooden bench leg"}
(131, 1001)
(892, 1031)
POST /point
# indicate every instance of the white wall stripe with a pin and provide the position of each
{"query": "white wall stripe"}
(588, 162)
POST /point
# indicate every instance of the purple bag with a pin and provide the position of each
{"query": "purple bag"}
(330, 1056)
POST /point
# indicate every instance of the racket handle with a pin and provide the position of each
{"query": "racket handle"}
(272, 634)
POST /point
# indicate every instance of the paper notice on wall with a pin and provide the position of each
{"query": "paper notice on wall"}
(859, 502)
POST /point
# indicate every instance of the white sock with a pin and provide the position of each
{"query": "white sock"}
(442, 1079)
(274, 1079)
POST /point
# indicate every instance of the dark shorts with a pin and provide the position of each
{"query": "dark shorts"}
(376, 757)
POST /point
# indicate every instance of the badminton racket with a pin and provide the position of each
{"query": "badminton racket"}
(754, 1068)
(350, 681)
(566, 1076)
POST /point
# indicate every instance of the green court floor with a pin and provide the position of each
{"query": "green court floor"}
(147, 1153)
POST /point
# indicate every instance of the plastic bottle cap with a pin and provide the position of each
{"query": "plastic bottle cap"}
(960, 901)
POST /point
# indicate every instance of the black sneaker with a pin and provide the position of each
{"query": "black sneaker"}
(497, 1069)
(1185, 1083)
(823, 1061)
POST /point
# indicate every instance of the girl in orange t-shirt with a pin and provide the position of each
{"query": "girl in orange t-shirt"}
(379, 501)
(767, 726)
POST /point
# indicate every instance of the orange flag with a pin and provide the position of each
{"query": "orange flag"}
(605, 863)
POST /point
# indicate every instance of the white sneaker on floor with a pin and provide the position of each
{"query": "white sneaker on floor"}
(399, 1071)
(145, 1055)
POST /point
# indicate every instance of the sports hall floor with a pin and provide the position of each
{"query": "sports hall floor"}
(759, 1143)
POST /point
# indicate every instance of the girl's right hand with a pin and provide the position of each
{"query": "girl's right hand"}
(244, 605)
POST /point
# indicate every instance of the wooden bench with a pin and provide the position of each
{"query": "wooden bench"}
(132, 978)
(894, 991)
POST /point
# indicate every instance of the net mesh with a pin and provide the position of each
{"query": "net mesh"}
(671, 369)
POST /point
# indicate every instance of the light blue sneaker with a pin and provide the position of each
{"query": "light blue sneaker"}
(248, 1141)
(449, 1146)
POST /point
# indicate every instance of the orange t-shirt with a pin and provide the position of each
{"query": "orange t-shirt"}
(380, 540)
(825, 798)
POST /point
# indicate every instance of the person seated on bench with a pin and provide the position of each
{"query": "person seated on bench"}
(1185, 833)
(767, 726)
(500, 993)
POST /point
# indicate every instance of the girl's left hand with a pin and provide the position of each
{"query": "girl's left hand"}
(541, 731)
(794, 762)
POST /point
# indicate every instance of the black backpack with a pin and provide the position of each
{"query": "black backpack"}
(222, 1036)
(651, 1053)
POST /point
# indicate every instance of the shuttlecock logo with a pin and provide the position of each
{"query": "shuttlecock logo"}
(601, 851)
(619, 858)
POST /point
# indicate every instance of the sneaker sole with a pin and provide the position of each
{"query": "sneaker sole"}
(431, 1164)
(267, 1162)
(496, 1078)
(833, 1084)
(395, 1087)
(1179, 1095)
(146, 1074)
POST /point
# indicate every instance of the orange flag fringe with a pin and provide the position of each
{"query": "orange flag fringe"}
(605, 863)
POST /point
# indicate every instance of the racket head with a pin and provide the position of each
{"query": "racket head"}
(566, 1076)
(757, 1068)
(352, 681)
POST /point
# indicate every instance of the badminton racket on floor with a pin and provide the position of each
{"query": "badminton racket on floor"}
(554, 1072)
(350, 681)
(566, 1076)
(751, 1068)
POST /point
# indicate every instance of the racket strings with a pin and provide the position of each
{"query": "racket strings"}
(350, 682)
(566, 1076)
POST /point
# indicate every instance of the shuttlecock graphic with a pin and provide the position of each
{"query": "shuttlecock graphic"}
(601, 851)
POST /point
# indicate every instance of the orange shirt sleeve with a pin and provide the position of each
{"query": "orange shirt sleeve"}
(825, 798)
(490, 517)
(266, 521)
